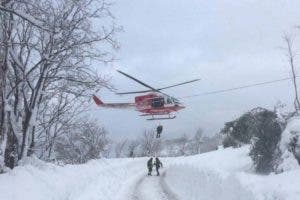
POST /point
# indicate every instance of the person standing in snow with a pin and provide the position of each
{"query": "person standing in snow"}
(150, 166)
(157, 164)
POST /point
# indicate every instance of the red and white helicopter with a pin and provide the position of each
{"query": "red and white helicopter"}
(155, 103)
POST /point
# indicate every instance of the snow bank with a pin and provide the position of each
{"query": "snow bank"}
(227, 174)
(223, 161)
(292, 132)
(191, 183)
(98, 179)
(210, 176)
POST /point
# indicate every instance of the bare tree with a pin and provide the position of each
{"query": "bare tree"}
(53, 118)
(132, 148)
(36, 64)
(150, 145)
(183, 144)
(291, 55)
(81, 142)
(197, 141)
(120, 148)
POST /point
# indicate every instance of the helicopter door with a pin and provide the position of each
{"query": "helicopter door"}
(157, 102)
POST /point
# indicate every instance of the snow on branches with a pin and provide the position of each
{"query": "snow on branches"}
(47, 48)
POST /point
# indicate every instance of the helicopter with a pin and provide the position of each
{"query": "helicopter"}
(154, 104)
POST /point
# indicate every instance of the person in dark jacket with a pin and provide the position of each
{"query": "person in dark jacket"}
(150, 166)
(159, 129)
(157, 164)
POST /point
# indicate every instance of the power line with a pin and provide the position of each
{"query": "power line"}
(238, 88)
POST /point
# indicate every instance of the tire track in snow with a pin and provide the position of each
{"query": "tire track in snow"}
(171, 195)
(153, 187)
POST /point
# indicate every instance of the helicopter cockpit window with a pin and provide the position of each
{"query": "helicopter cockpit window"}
(175, 101)
(169, 100)
(157, 102)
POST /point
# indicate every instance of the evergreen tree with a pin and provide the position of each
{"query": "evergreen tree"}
(260, 128)
(265, 140)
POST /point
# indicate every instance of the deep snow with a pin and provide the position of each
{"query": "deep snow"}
(223, 174)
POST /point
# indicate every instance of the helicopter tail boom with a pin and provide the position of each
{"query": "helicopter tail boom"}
(113, 105)
(97, 100)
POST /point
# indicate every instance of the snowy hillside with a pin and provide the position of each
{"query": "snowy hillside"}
(223, 174)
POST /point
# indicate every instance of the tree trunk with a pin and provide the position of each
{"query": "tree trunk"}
(5, 39)
(32, 143)
(11, 150)
(291, 55)
(26, 124)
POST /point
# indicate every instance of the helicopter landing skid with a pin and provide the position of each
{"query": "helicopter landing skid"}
(162, 118)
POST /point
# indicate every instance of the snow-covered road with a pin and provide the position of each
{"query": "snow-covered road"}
(152, 187)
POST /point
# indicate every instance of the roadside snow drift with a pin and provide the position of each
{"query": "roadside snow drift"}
(227, 174)
(97, 180)
(191, 183)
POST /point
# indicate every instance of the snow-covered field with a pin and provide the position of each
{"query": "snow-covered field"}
(223, 174)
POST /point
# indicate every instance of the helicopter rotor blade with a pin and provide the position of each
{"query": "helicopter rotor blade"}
(159, 89)
(134, 92)
(151, 88)
(183, 83)
(138, 81)
(138, 92)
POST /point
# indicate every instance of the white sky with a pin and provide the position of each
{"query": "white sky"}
(226, 43)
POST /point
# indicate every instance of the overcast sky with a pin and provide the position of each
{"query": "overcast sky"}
(226, 43)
